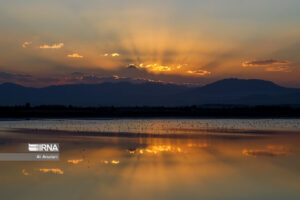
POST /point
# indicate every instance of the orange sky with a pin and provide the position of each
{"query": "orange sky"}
(185, 42)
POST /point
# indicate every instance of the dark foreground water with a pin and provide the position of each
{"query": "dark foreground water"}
(155, 159)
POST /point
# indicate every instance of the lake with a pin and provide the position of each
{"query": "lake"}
(154, 159)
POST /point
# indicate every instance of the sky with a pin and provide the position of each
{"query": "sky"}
(188, 42)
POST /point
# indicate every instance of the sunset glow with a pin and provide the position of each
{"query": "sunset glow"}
(171, 41)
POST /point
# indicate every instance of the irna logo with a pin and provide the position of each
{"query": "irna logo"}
(43, 147)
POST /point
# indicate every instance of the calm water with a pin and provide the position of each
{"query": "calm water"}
(233, 159)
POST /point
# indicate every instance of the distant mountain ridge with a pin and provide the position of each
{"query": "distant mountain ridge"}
(227, 91)
(239, 85)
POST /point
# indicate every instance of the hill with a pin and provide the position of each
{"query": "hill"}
(227, 91)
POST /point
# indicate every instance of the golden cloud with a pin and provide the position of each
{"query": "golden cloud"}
(115, 162)
(75, 55)
(279, 69)
(54, 171)
(174, 68)
(161, 68)
(26, 44)
(258, 63)
(115, 54)
(270, 65)
(156, 67)
(199, 72)
(54, 46)
(112, 54)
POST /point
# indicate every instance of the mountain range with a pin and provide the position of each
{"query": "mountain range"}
(227, 91)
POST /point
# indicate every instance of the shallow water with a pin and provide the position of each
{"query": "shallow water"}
(225, 166)
(154, 125)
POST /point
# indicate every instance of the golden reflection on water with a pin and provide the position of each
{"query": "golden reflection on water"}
(155, 149)
(270, 150)
(75, 162)
(54, 171)
(163, 168)
(25, 173)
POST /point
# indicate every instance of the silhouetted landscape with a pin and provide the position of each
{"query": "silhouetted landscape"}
(151, 100)
(125, 94)
(188, 111)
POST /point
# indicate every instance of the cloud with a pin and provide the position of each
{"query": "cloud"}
(199, 72)
(270, 65)
(170, 74)
(115, 54)
(91, 78)
(26, 44)
(112, 54)
(279, 69)
(73, 78)
(74, 55)
(54, 46)
(79, 77)
(156, 67)
(12, 77)
(27, 79)
(161, 68)
(258, 63)
(115, 162)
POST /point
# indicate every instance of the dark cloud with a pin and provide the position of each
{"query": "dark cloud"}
(270, 65)
(199, 72)
(77, 74)
(10, 77)
(258, 63)
(27, 79)
(92, 78)
(80, 77)
(47, 80)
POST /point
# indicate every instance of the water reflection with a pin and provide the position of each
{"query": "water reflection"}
(75, 162)
(157, 126)
(158, 168)
(54, 171)
(25, 173)
(270, 150)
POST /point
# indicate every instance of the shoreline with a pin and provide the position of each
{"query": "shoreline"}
(216, 111)
(186, 134)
